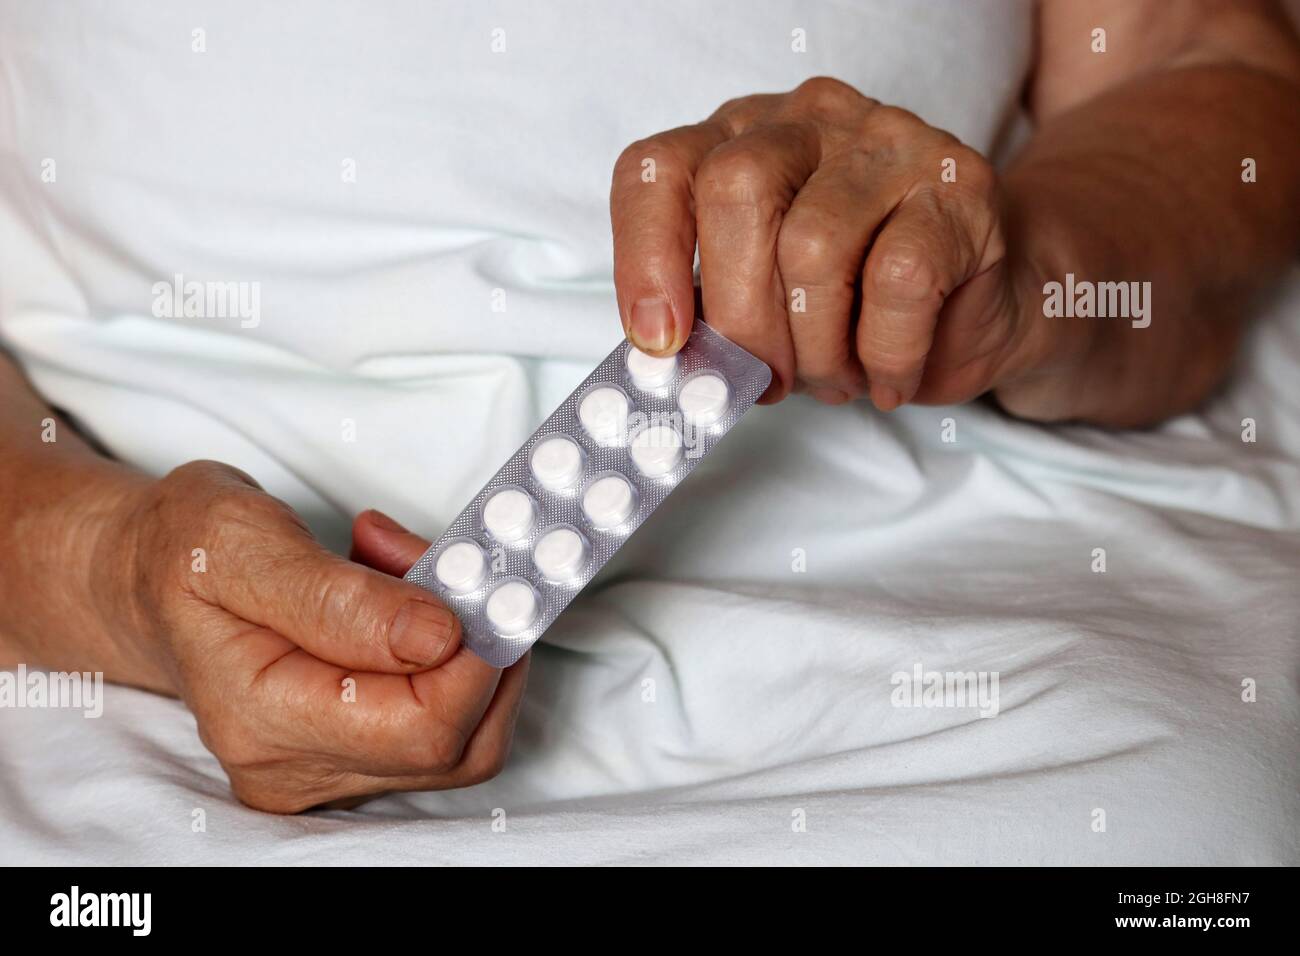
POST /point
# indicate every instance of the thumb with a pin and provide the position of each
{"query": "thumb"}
(381, 543)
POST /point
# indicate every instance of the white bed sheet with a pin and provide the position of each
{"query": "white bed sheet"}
(1119, 691)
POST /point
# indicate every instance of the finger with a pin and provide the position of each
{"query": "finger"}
(483, 758)
(926, 249)
(381, 543)
(820, 251)
(273, 573)
(489, 746)
(742, 190)
(654, 234)
(359, 722)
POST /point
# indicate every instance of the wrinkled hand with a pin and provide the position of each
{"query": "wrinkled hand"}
(830, 245)
(313, 678)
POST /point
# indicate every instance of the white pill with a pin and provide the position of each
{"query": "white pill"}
(603, 413)
(704, 400)
(656, 450)
(461, 567)
(649, 372)
(608, 501)
(512, 607)
(557, 463)
(560, 554)
(509, 515)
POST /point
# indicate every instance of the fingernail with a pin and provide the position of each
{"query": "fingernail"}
(651, 328)
(382, 520)
(420, 632)
(885, 397)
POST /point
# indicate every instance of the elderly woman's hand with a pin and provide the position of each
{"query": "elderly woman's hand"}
(859, 250)
(847, 243)
(312, 678)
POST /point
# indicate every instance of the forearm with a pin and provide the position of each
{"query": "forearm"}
(58, 501)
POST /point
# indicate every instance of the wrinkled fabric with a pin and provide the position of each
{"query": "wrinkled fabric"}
(724, 691)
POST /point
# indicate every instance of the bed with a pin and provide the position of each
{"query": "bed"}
(731, 688)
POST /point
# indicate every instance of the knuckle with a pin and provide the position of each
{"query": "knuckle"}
(736, 105)
(735, 173)
(630, 158)
(977, 171)
(1029, 403)
(436, 749)
(489, 764)
(631, 154)
(350, 603)
(201, 495)
(825, 94)
(237, 502)
(262, 779)
(189, 473)
(345, 592)
(741, 112)
(181, 489)
(251, 525)
(269, 798)
(231, 744)
(905, 274)
(255, 795)
(977, 180)
(802, 247)
(232, 528)
(656, 149)
(206, 473)
(230, 503)
(892, 124)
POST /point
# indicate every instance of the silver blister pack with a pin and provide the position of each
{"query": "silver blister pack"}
(551, 517)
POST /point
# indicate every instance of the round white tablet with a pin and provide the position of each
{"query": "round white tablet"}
(656, 450)
(461, 567)
(603, 413)
(560, 554)
(557, 463)
(509, 515)
(608, 501)
(704, 400)
(649, 372)
(512, 607)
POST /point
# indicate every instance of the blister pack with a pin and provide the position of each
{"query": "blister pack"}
(587, 478)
